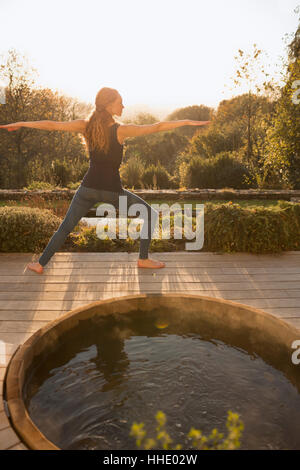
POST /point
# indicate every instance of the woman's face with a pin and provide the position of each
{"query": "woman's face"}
(116, 107)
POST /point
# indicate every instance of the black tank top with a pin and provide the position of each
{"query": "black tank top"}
(103, 172)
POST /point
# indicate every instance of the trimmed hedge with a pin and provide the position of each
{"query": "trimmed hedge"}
(230, 228)
(26, 229)
(227, 228)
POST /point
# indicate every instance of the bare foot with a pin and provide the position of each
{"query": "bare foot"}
(36, 267)
(150, 263)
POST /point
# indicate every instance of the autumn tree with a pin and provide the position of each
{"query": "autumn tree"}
(283, 149)
(194, 113)
(27, 154)
(19, 78)
(249, 70)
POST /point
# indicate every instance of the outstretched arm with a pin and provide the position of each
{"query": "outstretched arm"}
(132, 130)
(78, 125)
(168, 125)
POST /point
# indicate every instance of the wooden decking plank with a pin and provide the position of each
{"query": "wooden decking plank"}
(14, 339)
(263, 259)
(71, 304)
(295, 322)
(171, 257)
(50, 315)
(292, 288)
(5, 358)
(86, 269)
(19, 446)
(4, 422)
(30, 326)
(90, 296)
(72, 277)
(132, 256)
(291, 256)
(8, 438)
(7, 347)
(28, 315)
(284, 312)
(67, 255)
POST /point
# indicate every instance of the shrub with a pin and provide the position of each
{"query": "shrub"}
(156, 177)
(25, 229)
(57, 204)
(199, 441)
(131, 172)
(74, 185)
(174, 181)
(62, 172)
(218, 172)
(230, 228)
(35, 185)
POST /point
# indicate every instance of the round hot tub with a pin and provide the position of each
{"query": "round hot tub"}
(81, 381)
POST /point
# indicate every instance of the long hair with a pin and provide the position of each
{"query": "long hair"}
(97, 135)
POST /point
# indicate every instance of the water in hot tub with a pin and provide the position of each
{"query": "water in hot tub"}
(108, 373)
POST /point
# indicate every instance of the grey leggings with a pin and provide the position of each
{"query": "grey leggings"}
(82, 201)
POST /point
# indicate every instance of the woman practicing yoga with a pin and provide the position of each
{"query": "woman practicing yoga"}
(104, 138)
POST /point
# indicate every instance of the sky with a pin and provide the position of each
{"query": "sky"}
(158, 53)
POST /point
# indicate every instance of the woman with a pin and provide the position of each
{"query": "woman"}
(104, 138)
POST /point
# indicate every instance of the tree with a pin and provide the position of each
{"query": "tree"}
(248, 70)
(144, 118)
(195, 113)
(19, 77)
(26, 154)
(283, 148)
(228, 131)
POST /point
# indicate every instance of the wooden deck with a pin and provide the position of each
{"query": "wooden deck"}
(28, 300)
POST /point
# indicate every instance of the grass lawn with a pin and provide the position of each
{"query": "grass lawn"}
(241, 202)
(61, 204)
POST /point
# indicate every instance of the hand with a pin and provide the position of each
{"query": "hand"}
(199, 123)
(11, 127)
